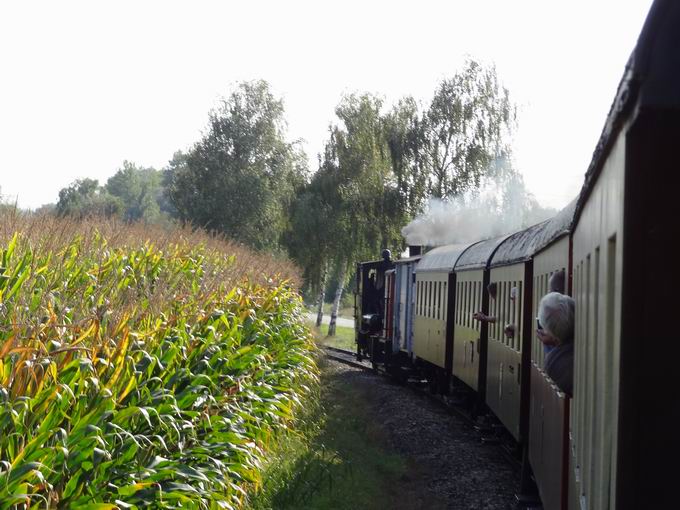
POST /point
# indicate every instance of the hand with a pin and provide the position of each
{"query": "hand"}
(546, 338)
(479, 316)
(509, 330)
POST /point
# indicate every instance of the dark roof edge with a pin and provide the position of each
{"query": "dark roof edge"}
(554, 240)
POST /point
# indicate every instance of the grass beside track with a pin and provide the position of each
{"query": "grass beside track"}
(340, 460)
(343, 339)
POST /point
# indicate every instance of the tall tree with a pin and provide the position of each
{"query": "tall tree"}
(363, 198)
(310, 238)
(139, 190)
(84, 197)
(465, 129)
(404, 134)
(240, 179)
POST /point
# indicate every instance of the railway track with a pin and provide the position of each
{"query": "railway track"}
(490, 431)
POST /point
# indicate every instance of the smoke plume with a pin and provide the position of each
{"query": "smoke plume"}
(497, 209)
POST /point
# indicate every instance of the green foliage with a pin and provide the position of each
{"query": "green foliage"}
(379, 168)
(133, 193)
(358, 186)
(464, 130)
(132, 376)
(139, 189)
(240, 179)
(86, 198)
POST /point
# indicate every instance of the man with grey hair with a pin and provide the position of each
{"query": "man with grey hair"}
(556, 327)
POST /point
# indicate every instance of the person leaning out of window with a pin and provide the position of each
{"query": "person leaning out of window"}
(556, 329)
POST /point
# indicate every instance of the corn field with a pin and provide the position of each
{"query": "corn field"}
(142, 367)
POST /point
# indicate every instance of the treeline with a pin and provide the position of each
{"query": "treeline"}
(379, 167)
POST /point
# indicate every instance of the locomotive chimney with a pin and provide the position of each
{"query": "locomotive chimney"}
(414, 250)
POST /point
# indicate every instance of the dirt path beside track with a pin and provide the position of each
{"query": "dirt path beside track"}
(447, 467)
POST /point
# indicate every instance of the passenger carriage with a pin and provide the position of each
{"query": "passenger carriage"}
(399, 330)
(625, 410)
(435, 303)
(507, 372)
(470, 336)
(549, 407)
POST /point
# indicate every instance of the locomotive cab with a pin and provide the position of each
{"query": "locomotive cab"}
(372, 279)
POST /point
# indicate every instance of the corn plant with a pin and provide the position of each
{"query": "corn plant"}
(142, 373)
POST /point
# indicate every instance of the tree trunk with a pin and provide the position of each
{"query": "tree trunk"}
(336, 301)
(322, 296)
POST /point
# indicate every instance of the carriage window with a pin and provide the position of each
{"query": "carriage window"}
(473, 304)
(520, 325)
(425, 299)
(479, 303)
(440, 314)
(468, 314)
(417, 297)
(501, 308)
(535, 353)
(463, 305)
(457, 302)
(505, 313)
(491, 311)
(426, 304)
(441, 300)
(435, 300)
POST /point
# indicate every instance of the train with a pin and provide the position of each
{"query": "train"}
(613, 443)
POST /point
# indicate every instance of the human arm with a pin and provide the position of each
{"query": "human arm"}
(481, 317)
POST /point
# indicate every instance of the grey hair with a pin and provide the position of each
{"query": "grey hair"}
(556, 315)
(556, 282)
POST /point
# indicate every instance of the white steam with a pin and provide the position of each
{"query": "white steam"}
(498, 208)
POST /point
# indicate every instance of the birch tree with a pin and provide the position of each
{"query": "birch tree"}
(361, 189)
(465, 128)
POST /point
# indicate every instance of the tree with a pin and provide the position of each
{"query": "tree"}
(240, 179)
(309, 239)
(139, 190)
(465, 130)
(404, 135)
(84, 197)
(362, 196)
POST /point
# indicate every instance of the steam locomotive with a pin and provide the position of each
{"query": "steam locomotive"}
(613, 443)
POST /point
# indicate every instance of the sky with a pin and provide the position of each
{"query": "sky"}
(87, 85)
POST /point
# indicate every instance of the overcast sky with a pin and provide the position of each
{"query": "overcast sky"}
(86, 85)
